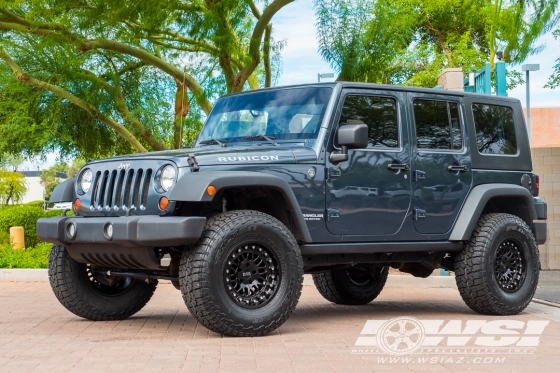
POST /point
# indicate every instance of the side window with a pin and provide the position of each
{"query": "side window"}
(495, 130)
(380, 115)
(437, 125)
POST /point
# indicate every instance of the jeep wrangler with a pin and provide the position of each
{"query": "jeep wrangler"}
(341, 181)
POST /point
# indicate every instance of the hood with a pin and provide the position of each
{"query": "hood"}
(212, 156)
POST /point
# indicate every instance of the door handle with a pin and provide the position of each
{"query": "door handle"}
(398, 166)
(457, 168)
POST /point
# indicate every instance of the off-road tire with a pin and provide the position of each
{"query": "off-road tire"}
(204, 281)
(338, 287)
(78, 294)
(477, 266)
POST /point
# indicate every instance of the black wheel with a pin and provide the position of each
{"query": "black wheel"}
(352, 286)
(498, 271)
(244, 276)
(87, 293)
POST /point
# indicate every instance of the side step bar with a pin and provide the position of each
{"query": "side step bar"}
(379, 247)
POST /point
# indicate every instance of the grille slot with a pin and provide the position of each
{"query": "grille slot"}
(95, 187)
(127, 185)
(136, 190)
(110, 189)
(118, 197)
(146, 187)
(121, 189)
(102, 188)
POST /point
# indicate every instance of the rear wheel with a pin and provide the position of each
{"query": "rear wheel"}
(85, 292)
(352, 286)
(498, 271)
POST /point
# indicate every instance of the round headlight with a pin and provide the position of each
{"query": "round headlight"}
(167, 177)
(86, 180)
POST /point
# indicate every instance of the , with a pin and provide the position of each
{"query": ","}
(339, 180)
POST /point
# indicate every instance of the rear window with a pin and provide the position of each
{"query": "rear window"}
(437, 125)
(495, 129)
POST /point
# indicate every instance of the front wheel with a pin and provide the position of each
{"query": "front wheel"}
(87, 293)
(244, 276)
(351, 286)
(498, 270)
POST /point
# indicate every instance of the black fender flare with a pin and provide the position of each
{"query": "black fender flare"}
(192, 187)
(476, 201)
(63, 192)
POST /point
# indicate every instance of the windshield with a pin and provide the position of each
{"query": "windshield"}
(287, 114)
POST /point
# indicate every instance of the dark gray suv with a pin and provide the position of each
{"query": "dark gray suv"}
(341, 181)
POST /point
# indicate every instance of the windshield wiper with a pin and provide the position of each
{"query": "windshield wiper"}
(270, 139)
(214, 142)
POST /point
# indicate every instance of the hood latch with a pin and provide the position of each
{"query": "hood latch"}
(193, 164)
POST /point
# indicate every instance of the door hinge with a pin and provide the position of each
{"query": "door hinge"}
(332, 172)
(333, 214)
(419, 214)
(419, 175)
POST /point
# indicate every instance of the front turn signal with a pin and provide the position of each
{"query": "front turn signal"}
(77, 204)
(163, 203)
(211, 190)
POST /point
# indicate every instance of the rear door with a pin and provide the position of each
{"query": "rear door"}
(441, 166)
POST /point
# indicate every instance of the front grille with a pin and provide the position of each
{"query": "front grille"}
(121, 189)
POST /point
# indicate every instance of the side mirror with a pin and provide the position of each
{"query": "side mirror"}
(350, 136)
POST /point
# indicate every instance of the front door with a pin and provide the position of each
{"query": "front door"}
(370, 194)
(441, 166)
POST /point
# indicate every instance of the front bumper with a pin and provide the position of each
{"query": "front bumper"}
(130, 231)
